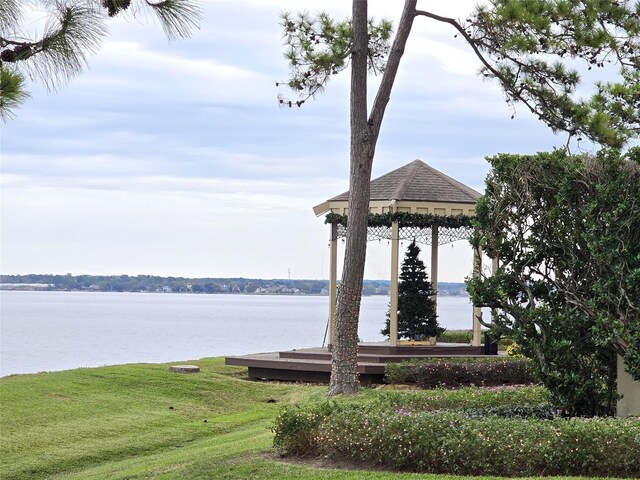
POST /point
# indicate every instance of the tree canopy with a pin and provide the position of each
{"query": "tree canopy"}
(537, 50)
(566, 232)
(72, 31)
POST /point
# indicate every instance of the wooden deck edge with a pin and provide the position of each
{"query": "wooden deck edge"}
(302, 365)
(258, 373)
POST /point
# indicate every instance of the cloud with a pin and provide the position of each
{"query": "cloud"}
(174, 158)
(452, 58)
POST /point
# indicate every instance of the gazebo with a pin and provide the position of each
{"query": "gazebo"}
(414, 202)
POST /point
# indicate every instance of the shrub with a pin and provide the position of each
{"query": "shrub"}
(455, 372)
(577, 219)
(514, 350)
(295, 426)
(544, 411)
(465, 442)
(465, 336)
(461, 398)
(455, 336)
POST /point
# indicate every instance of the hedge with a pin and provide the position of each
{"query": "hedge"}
(461, 442)
(454, 372)
(465, 336)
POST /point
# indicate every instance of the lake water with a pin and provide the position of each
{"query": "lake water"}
(50, 331)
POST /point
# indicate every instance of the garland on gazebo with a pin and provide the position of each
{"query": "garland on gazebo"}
(406, 219)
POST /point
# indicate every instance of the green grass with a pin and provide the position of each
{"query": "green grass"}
(117, 423)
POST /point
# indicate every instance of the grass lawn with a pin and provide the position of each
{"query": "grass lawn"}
(142, 421)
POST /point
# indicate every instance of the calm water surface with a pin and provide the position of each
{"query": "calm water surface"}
(50, 331)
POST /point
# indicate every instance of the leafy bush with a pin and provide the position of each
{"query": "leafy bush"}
(514, 350)
(455, 372)
(544, 411)
(461, 398)
(295, 426)
(455, 336)
(462, 441)
(566, 232)
(465, 336)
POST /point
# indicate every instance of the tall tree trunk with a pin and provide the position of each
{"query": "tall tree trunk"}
(364, 136)
(344, 365)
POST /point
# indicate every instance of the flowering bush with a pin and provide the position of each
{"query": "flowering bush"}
(452, 372)
(422, 436)
(514, 350)
(462, 398)
(465, 336)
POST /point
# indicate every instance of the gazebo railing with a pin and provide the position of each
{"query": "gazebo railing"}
(421, 235)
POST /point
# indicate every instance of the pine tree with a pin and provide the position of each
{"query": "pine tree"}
(417, 318)
(530, 47)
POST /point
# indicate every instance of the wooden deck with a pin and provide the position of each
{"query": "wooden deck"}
(314, 364)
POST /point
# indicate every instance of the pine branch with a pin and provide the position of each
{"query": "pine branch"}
(177, 17)
(10, 16)
(73, 31)
(12, 92)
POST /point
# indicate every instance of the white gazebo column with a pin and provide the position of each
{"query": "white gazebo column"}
(333, 281)
(477, 268)
(434, 263)
(393, 308)
(629, 404)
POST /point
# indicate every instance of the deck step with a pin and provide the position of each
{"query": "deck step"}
(314, 364)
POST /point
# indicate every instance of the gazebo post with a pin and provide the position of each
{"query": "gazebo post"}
(477, 268)
(393, 308)
(333, 281)
(434, 263)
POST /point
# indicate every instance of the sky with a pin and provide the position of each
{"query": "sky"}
(175, 159)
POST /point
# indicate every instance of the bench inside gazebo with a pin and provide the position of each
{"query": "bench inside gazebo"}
(414, 202)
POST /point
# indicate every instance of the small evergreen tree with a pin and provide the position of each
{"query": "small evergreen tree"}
(417, 318)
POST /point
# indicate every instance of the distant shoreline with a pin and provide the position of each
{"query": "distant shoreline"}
(156, 284)
(23, 288)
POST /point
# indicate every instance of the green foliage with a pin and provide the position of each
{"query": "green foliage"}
(533, 48)
(456, 336)
(525, 45)
(513, 439)
(417, 318)
(73, 31)
(566, 231)
(455, 444)
(319, 47)
(295, 425)
(452, 372)
(543, 411)
(514, 351)
(405, 371)
(461, 398)
(447, 374)
(12, 91)
(406, 219)
(465, 336)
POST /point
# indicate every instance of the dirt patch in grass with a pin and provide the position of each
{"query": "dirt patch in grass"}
(325, 462)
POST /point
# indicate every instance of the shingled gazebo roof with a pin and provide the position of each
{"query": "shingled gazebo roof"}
(414, 187)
